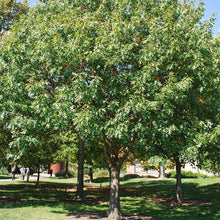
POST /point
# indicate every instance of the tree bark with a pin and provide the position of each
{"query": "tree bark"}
(162, 171)
(91, 174)
(114, 204)
(80, 176)
(179, 194)
(38, 176)
(28, 174)
(67, 169)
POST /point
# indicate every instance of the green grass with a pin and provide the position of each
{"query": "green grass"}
(55, 199)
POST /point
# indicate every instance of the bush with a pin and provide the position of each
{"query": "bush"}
(101, 173)
(3, 171)
(171, 174)
(131, 176)
(185, 174)
(63, 174)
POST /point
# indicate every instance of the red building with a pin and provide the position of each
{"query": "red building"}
(56, 168)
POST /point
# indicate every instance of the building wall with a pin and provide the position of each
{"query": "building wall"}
(138, 169)
(57, 167)
(130, 169)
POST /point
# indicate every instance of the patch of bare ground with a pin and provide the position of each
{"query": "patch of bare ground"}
(102, 216)
(173, 202)
(7, 200)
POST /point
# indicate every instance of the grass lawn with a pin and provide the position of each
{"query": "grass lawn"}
(54, 199)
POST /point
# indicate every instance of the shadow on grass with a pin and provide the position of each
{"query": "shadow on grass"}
(5, 177)
(138, 197)
(158, 198)
(101, 180)
(28, 194)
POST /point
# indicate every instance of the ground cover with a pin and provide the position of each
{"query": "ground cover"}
(148, 198)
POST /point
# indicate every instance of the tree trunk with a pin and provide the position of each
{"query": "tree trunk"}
(179, 194)
(28, 174)
(80, 176)
(162, 171)
(91, 174)
(38, 176)
(114, 204)
(28, 177)
(67, 169)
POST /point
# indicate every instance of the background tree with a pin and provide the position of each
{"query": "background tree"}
(67, 107)
(37, 83)
(94, 158)
(5, 137)
(156, 163)
(10, 11)
(37, 155)
(179, 65)
(209, 141)
(67, 151)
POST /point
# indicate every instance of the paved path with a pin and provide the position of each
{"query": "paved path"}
(32, 177)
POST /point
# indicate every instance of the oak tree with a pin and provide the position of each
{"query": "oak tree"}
(128, 74)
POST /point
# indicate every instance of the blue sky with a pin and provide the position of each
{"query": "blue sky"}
(212, 7)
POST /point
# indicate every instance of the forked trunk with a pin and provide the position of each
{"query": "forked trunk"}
(179, 194)
(80, 176)
(114, 204)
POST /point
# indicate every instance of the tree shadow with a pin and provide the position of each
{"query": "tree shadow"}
(5, 177)
(158, 198)
(28, 194)
(101, 180)
(151, 198)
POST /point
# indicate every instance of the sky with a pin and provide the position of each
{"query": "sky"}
(212, 7)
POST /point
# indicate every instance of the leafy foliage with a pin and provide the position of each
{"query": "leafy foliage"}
(10, 12)
(3, 171)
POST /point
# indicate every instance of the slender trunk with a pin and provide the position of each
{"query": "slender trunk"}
(114, 204)
(28, 175)
(214, 169)
(179, 194)
(162, 171)
(80, 176)
(38, 176)
(91, 174)
(67, 169)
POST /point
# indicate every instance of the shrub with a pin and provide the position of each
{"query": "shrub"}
(101, 173)
(131, 176)
(171, 174)
(3, 171)
(186, 174)
(63, 174)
